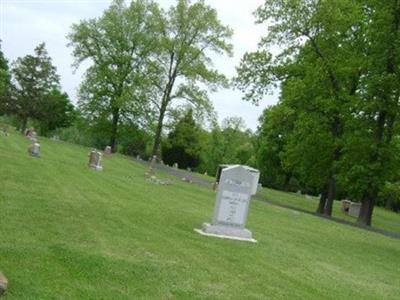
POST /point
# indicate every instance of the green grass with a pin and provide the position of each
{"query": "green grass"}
(382, 218)
(68, 232)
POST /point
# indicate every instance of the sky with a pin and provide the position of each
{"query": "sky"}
(26, 23)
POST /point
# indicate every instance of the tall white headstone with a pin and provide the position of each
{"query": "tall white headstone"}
(235, 188)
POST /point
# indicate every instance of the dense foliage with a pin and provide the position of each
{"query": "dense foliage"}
(5, 84)
(35, 93)
(339, 102)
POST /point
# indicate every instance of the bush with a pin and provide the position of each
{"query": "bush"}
(74, 135)
(134, 141)
(390, 196)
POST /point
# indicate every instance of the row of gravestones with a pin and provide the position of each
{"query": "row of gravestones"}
(232, 204)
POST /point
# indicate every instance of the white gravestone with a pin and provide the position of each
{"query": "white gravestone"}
(232, 205)
(95, 160)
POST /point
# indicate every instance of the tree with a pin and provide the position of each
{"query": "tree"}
(56, 111)
(319, 40)
(35, 78)
(276, 125)
(118, 44)
(182, 145)
(190, 32)
(371, 156)
(230, 143)
(5, 83)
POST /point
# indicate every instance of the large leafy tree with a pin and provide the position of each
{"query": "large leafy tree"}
(35, 79)
(183, 66)
(118, 45)
(371, 156)
(318, 40)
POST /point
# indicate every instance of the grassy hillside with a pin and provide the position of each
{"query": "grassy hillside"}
(68, 232)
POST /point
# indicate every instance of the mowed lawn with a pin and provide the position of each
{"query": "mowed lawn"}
(382, 218)
(68, 232)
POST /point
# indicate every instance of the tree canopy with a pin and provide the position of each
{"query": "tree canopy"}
(189, 34)
(118, 45)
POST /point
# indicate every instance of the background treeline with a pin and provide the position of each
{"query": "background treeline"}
(145, 91)
(333, 133)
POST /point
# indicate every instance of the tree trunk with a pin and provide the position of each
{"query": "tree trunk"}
(287, 181)
(114, 129)
(322, 200)
(367, 208)
(330, 197)
(24, 122)
(157, 137)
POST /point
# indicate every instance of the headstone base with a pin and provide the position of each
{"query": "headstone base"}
(97, 168)
(225, 232)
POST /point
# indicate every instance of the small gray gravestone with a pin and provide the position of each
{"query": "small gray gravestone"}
(95, 160)
(345, 206)
(175, 165)
(233, 199)
(34, 148)
(108, 150)
(354, 209)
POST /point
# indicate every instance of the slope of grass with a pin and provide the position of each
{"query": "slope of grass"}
(68, 232)
(382, 218)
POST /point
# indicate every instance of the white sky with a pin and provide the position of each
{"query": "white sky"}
(26, 23)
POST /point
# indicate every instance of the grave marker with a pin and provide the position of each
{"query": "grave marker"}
(236, 185)
(351, 208)
(34, 148)
(108, 150)
(95, 160)
(354, 209)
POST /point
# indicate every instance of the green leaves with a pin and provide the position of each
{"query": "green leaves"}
(36, 84)
(5, 85)
(183, 67)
